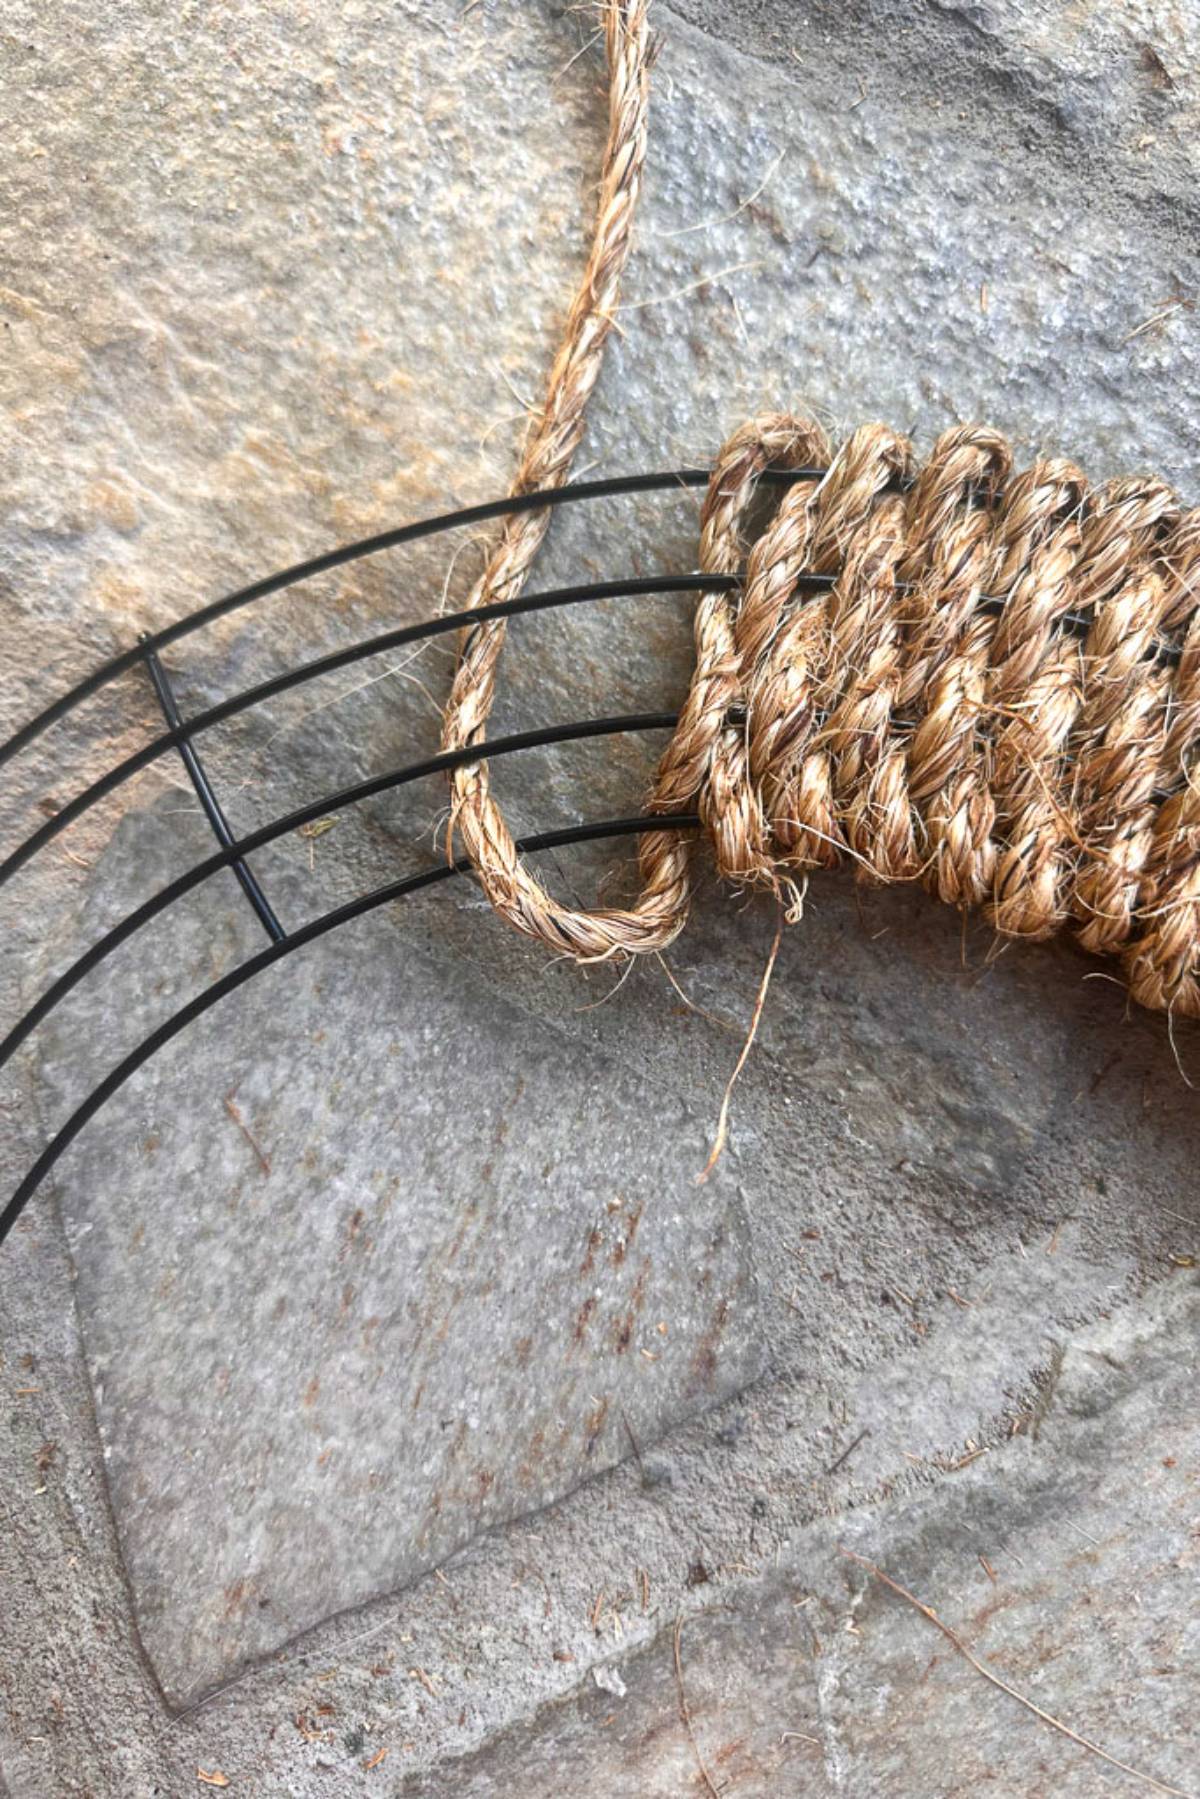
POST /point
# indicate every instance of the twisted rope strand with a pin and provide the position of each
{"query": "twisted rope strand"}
(659, 912)
(907, 722)
(934, 716)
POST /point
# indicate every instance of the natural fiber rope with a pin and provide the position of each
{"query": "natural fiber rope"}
(930, 717)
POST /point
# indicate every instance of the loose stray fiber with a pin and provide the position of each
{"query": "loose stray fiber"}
(999, 696)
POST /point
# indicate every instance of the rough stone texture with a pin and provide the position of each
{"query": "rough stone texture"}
(368, 1261)
(1074, 1543)
(274, 278)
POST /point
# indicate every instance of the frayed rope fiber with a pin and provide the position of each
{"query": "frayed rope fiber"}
(998, 695)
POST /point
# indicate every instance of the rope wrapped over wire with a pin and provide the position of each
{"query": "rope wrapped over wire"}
(932, 717)
(999, 695)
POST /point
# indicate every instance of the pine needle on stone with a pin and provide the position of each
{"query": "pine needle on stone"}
(686, 1715)
(956, 1641)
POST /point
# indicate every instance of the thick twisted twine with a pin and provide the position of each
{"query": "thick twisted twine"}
(931, 717)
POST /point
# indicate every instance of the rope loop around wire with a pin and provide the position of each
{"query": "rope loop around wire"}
(930, 717)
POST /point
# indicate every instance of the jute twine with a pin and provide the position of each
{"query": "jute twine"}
(930, 718)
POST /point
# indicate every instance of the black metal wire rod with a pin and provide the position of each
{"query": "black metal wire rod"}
(320, 927)
(633, 588)
(209, 802)
(167, 896)
(1076, 623)
(657, 482)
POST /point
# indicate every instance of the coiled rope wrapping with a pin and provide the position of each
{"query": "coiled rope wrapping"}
(930, 717)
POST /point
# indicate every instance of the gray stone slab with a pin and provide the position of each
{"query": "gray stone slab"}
(1066, 1561)
(749, 1691)
(368, 1261)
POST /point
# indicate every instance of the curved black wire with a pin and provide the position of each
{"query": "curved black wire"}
(179, 736)
(181, 733)
(231, 854)
(235, 851)
(633, 588)
(274, 952)
(656, 482)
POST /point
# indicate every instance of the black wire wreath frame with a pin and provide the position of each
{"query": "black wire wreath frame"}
(232, 852)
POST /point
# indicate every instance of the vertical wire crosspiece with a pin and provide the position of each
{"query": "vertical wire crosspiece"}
(259, 903)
